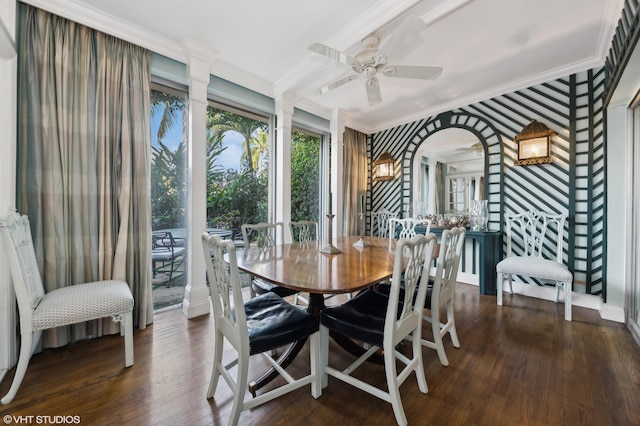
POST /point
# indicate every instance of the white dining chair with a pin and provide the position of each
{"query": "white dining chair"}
(264, 235)
(383, 321)
(380, 222)
(258, 326)
(527, 235)
(442, 290)
(403, 228)
(64, 306)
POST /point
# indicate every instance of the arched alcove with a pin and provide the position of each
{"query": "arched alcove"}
(485, 134)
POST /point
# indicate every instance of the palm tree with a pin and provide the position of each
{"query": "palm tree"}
(224, 121)
(261, 149)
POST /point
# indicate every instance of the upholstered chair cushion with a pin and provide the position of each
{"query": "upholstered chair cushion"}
(273, 322)
(535, 267)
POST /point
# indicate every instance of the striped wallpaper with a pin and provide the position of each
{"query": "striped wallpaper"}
(574, 183)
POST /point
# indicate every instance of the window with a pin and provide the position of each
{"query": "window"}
(169, 190)
(305, 175)
(238, 163)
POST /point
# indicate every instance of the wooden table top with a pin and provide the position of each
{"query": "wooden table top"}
(301, 266)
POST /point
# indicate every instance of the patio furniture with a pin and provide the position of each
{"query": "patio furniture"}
(167, 254)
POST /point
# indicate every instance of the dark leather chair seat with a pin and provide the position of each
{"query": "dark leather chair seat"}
(273, 322)
(261, 287)
(386, 287)
(360, 318)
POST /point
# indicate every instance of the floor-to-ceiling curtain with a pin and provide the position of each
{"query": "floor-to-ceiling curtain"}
(84, 160)
(355, 178)
(439, 189)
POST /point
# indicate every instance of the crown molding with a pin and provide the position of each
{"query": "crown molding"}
(510, 87)
(109, 24)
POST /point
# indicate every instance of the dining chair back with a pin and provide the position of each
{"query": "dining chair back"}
(442, 290)
(380, 223)
(383, 322)
(167, 255)
(258, 326)
(534, 249)
(64, 306)
(403, 228)
(303, 231)
(264, 235)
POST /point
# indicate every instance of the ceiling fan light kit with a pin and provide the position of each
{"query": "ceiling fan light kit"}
(372, 60)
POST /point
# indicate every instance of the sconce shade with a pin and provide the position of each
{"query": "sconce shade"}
(384, 166)
(534, 144)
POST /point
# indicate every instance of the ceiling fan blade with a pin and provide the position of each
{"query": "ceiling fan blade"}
(331, 53)
(406, 37)
(338, 83)
(373, 91)
(408, 71)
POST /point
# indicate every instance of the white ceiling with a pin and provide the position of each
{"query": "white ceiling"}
(486, 47)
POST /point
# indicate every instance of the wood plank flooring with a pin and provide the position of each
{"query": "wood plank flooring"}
(519, 364)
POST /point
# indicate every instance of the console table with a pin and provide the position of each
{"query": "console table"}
(490, 253)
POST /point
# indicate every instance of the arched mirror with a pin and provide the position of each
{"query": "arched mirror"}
(448, 173)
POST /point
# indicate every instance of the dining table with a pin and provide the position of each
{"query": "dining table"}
(306, 267)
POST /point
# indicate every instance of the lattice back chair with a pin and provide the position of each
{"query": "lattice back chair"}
(403, 228)
(442, 290)
(167, 255)
(384, 321)
(63, 306)
(303, 231)
(258, 326)
(380, 221)
(264, 235)
(536, 234)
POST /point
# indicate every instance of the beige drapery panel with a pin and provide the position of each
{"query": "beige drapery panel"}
(84, 160)
(355, 178)
(439, 190)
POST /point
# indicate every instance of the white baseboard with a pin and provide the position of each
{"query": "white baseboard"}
(589, 301)
(612, 313)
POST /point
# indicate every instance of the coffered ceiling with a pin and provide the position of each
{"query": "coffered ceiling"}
(485, 47)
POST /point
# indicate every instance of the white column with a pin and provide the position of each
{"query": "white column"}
(9, 84)
(196, 293)
(284, 114)
(337, 171)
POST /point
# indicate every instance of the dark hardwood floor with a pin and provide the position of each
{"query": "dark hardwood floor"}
(519, 364)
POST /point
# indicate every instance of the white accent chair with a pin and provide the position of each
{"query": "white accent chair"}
(442, 291)
(383, 322)
(258, 326)
(63, 306)
(380, 219)
(529, 232)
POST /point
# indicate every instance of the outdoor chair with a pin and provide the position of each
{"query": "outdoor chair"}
(167, 255)
(64, 306)
(531, 236)
(258, 326)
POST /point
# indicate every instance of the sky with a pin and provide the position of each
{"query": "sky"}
(230, 157)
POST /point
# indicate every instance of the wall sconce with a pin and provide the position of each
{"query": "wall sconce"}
(384, 166)
(534, 144)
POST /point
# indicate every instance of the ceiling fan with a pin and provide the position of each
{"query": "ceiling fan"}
(476, 147)
(373, 59)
